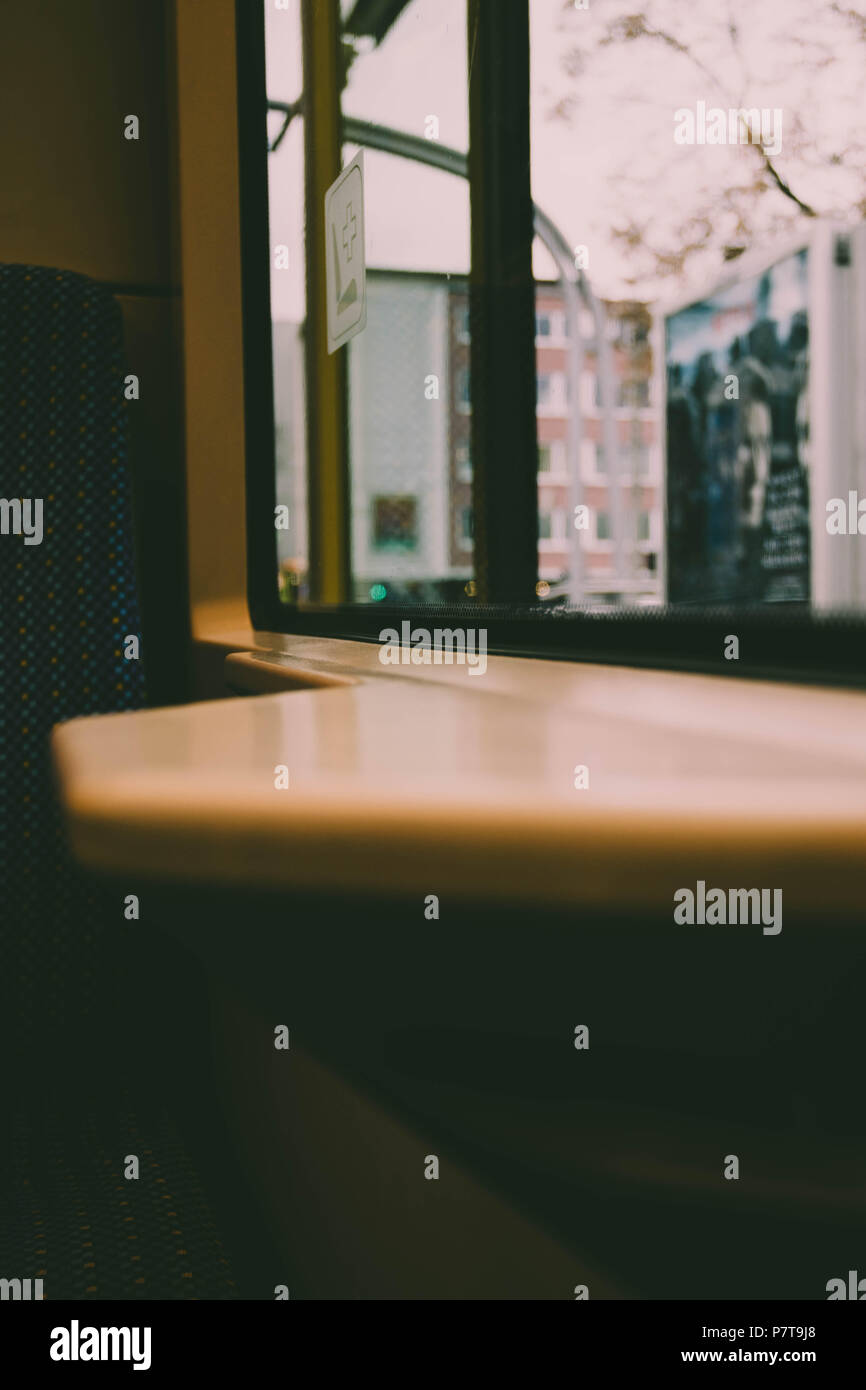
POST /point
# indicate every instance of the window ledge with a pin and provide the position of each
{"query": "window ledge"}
(405, 776)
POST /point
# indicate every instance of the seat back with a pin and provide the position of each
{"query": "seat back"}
(69, 609)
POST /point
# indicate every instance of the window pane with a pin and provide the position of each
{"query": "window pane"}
(686, 277)
(409, 379)
(721, 233)
(463, 462)
(408, 371)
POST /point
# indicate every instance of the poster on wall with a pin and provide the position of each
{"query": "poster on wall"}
(737, 366)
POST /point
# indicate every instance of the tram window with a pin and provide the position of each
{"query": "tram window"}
(693, 270)
(408, 377)
(702, 225)
(408, 371)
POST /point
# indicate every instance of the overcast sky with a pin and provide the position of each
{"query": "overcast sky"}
(614, 153)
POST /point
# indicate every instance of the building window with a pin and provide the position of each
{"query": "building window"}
(467, 527)
(602, 527)
(542, 326)
(463, 463)
(552, 458)
(464, 388)
(640, 460)
(633, 460)
(551, 524)
(395, 523)
(463, 327)
(551, 392)
(644, 526)
(634, 395)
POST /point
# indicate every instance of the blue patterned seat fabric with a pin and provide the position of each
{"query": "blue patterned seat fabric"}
(68, 959)
(68, 602)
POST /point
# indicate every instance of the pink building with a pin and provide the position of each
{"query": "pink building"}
(637, 423)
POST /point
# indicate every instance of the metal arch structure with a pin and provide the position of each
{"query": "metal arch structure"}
(388, 140)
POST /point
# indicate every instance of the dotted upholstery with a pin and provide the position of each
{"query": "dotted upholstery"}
(67, 956)
(67, 604)
(70, 1217)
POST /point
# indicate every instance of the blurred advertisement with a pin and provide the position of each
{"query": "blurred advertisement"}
(737, 367)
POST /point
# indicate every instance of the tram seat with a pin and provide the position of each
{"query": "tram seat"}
(72, 645)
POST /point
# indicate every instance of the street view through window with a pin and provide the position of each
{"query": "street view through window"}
(701, 437)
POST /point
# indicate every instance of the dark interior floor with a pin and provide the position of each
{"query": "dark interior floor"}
(68, 1214)
(128, 1076)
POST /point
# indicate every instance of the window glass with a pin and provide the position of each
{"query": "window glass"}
(463, 462)
(409, 400)
(409, 382)
(718, 231)
(699, 315)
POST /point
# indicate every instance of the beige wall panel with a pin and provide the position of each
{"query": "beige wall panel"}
(210, 249)
(76, 194)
